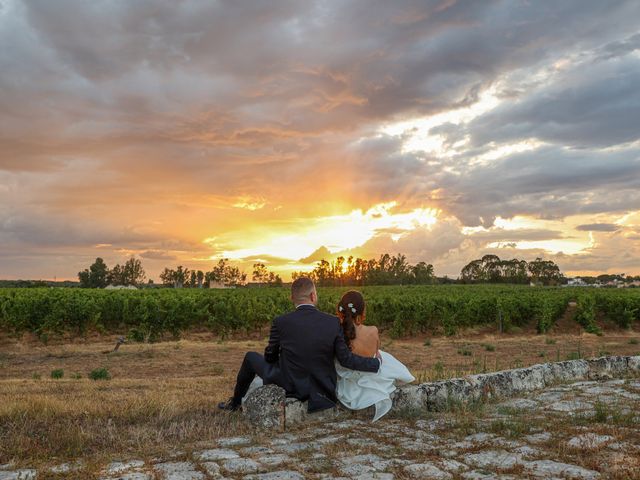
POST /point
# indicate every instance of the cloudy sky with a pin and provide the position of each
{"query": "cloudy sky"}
(186, 131)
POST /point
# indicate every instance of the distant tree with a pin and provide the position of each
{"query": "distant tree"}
(263, 276)
(545, 271)
(176, 278)
(200, 278)
(473, 271)
(95, 276)
(260, 273)
(423, 273)
(116, 275)
(274, 280)
(226, 274)
(134, 274)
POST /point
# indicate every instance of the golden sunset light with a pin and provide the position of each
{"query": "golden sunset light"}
(287, 133)
(293, 239)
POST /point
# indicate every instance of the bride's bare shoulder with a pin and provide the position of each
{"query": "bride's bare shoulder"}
(372, 329)
(367, 332)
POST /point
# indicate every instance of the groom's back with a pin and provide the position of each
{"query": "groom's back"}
(307, 337)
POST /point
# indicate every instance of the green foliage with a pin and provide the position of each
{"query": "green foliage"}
(586, 313)
(489, 348)
(153, 314)
(618, 306)
(57, 373)
(99, 374)
(96, 276)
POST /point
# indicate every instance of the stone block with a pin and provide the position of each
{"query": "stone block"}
(607, 367)
(633, 363)
(265, 407)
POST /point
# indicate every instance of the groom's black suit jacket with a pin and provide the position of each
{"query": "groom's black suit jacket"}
(307, 341)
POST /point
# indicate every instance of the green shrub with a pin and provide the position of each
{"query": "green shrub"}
(57, 373)
(99, 374)
(586, 313)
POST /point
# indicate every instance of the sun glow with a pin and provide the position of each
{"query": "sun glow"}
(296, 239)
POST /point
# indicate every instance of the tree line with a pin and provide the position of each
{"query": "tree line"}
(386, 270)
(99, 275)
(491, 269)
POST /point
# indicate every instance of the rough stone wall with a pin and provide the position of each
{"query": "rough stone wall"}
(267, 407)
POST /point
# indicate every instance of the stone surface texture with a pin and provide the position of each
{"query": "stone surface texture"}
(586, 429)
(267, 407)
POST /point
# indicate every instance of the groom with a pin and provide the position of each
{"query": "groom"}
(299, 357)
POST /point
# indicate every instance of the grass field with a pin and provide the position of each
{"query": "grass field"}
(161, 397)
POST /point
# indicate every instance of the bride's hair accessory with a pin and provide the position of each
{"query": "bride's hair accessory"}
(350, 306)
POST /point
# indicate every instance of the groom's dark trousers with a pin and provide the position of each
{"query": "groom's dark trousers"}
(300, 358)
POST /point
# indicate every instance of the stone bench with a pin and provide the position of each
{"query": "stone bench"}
(268, 407)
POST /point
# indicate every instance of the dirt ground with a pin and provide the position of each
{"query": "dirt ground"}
(201, 355)
(163, 395)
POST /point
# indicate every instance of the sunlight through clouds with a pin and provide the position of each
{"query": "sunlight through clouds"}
(296, 239)
(416, 131)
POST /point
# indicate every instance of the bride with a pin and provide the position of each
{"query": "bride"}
(359, 390)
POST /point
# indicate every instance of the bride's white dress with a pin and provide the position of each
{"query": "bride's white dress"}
(358, 390)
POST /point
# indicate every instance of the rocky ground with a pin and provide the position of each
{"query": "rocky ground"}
(581, 430)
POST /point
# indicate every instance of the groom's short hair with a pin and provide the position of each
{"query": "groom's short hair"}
(301, 289)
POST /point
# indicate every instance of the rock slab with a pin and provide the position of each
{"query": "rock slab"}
(268, 408)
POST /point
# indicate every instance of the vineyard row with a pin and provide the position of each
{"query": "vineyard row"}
(150, 315)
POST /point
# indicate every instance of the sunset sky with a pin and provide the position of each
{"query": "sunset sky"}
(182, 132)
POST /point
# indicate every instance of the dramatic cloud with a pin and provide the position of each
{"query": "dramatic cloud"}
(183, 132)
(598, 227)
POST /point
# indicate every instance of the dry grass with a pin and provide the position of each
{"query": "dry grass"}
(50, 421)
(162, 397)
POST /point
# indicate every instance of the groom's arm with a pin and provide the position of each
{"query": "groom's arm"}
(272, 351)
(349, 360)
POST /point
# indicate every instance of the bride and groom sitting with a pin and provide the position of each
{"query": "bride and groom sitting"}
(321, 358)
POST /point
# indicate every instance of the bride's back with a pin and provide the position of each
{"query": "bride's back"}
(367, 341)
(362, 339)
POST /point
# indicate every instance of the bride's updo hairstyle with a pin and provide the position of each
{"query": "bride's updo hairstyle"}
(351, 305)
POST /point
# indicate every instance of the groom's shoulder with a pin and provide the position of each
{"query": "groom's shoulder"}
(316, 314)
